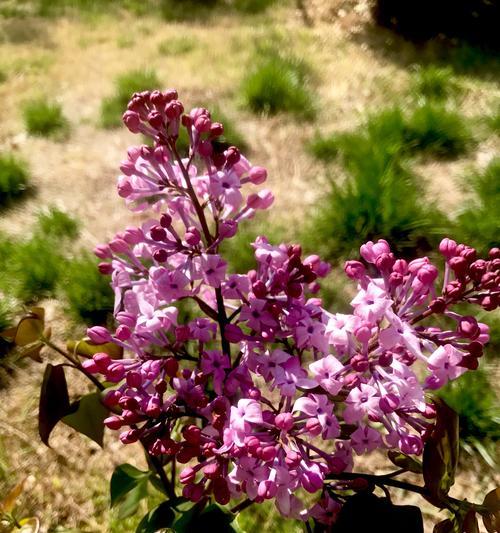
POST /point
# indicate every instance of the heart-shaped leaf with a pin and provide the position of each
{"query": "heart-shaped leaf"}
(440, 457)
(159, 518)
(54, 401)
(125, 478)
(87, 417)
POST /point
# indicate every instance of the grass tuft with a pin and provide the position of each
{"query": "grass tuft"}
(278, 84)
(87, 292)
(437, 131)
(57, 223)
(380, 196)
(477, 224)
(45, 119)
(14, 178)
(476, 403)
(433, 82)
(113, 107)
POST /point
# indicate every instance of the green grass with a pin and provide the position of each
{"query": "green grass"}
(45, 119)
(87, 293)
(113, 107)
(33, 268)
(380, 196)
(14, 178)
(479, 222)
(476, 403)
(493, 120)
(434, 82)
(437, 131)
(278, 84)
(177, 46)
(56, 223)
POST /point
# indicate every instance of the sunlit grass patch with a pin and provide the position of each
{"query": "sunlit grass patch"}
(113, 107)
(434, 82)
(278, 83)
(14, 178)
(56, 223)
(86, 291)
(44, 118)
(478, 222)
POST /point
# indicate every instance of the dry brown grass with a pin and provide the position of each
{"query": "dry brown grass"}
(75, 61)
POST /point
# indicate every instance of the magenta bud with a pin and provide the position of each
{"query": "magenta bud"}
(459, 265)
(385, 359)
(134, 379)
(385, 261)
(216, 129)
(448, 247)
(389, 403)
(102, 251)
(354, 270)
(156, 120)
(257, 175)
(363, 334)
(105, 268)
(438, 305)
(192, 434)
(113, 422)
(284, 421)
(158, 233)
(160, 256)
(132, 120)
(90, 366)
(228, 229)
(98, 334)
(187, 475)
(468, 327)
(119, 246)
(153, 407)
(171, 367)
(123, 333)
(292, 458)
(129, 437)
(259, 289)
(313, 426)
(254, 393)
(268, 453)
(427, 274)
(165, 220)
(233, 333)
(192, 236)
(221, 491)
(232, 156)
(400, 266)
(133, 235)
(359, 363)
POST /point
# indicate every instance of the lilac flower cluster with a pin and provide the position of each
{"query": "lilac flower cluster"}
(262, 393)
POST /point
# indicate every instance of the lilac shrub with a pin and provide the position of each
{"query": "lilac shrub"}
(266, 395)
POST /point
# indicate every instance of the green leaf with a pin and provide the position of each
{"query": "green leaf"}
(124, 479)
(446, 526)
(405, 461)
(491, 520)
(54, 401)
(211, 518)
(440, 457)
(88, 348)
(159, 518)
(130, 503)
(366, 512)
(87, 416)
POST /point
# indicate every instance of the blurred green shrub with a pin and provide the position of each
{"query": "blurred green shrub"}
(494, 120)
(56, 223)
(437, 131)
(87, 292)
(32, 269)
(14, 178)
(113, 107)
(434, 82)
(278, 83)
(478, 222)
(380, 196)
(474, 399)
(45, 119)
